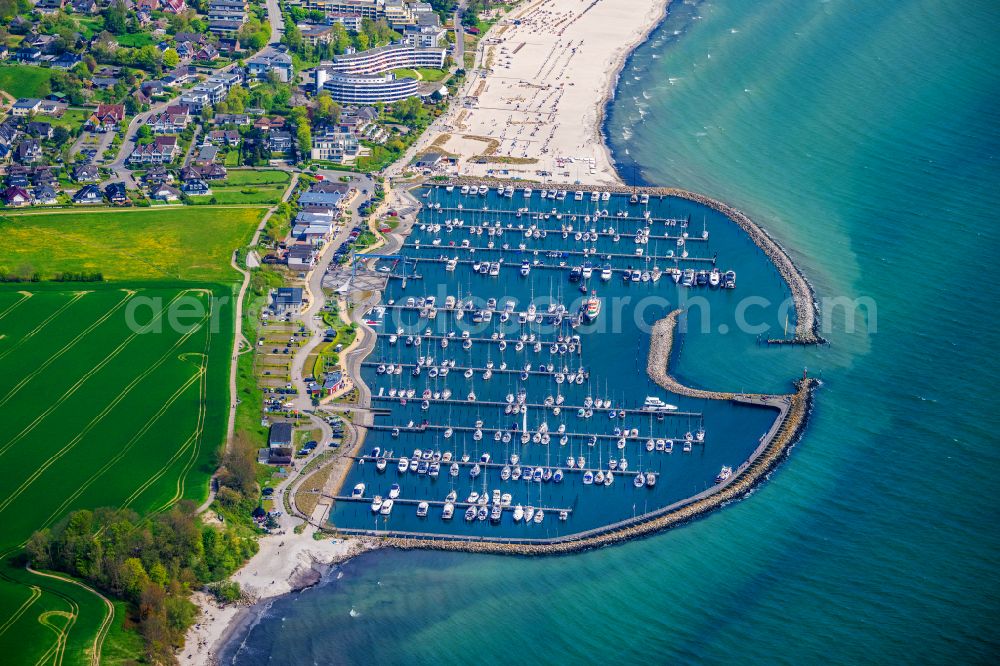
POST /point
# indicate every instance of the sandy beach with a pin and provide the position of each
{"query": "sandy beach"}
(285, 563)
(532, 107)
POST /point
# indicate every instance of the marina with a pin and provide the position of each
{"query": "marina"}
(506, 383)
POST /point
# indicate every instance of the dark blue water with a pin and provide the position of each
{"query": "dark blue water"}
(612, 351)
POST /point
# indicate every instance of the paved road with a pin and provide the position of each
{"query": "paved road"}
(314, 286)
(274, 18)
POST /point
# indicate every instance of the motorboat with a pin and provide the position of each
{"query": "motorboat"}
(422, 509)
(386, 507)
(724, 474)
(655, 404)
(376, 503)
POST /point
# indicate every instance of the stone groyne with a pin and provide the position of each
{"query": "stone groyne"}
(807, 320)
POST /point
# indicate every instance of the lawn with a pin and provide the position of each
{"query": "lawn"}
(248, 194)
(25, 80)
(254, 177)
(128, 244)
(71, 119)
(136, 39)
(135, 386)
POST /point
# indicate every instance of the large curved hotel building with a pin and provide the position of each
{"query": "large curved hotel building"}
(367, 89)
(360, 78)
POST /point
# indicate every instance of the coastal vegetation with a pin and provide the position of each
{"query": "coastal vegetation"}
(150, 563)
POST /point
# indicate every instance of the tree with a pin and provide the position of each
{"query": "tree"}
(327, 111)
(60, 135)
(303, 137)
(115, 18)
(409, 109)
(170, 58)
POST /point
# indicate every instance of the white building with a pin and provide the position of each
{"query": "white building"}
(334, 146)
(371, 89)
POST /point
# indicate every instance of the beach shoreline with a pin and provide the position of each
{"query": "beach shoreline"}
(521, 113)
(285, 563)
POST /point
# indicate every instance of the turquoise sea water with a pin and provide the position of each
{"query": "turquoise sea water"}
(863, 136)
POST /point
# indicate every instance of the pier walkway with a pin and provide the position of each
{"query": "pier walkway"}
(552, 434)
(572, 408)
(501, 465)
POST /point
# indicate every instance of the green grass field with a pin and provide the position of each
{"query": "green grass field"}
(128, 244)
(25, 80)
(135, 39)
(113, 397)
(264, 177)
(241, 194)
(114, 394)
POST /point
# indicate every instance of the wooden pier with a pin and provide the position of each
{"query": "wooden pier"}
(496, 465)
(572, 408)
(437, 503)
(601, 256)
(552, 434)
(462, 369)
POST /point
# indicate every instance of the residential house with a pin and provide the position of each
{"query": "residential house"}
(334, 146)
(229, 138)
(171, 120)
(43, 175)
(84, 7)
(279, 444)
(329, 186)
(174, 6)
(279, 142)
(261, 64)
(196, 188)
(116, 194)
(17, 176)
(207, 154)
(287, 300)
(9, 132)
(104, 82)
(326, 199)
(40, 129)
(206, 53)
(267, 124)
(28, 55)
(106, 117)
(25, 107)
(162, 150)
(231, 119)
(67, 61)
(29, 150)
(203, 172)
(156, 175)
(301, 257)
(16, 196)
(88, 194)
(86, 173)
(165, 192)
(226, 15)
(44, 195)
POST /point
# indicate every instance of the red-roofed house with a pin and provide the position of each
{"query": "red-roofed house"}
(107, 117)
